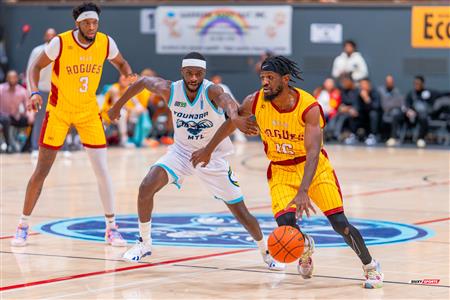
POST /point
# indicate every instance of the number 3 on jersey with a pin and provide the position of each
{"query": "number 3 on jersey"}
(84, 84)
(285, 149)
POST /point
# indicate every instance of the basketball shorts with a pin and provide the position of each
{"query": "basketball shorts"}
(284, 181)
(56, 124)
(217, 176)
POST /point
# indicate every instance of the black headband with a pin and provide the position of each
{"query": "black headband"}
(269, 66)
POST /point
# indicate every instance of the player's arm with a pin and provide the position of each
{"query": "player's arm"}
(313, 142)
(227, 128)
(231, 108)
(41, 62)
(156, 85)
(123, 67)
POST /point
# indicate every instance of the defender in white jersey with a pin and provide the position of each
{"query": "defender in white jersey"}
(198, 110)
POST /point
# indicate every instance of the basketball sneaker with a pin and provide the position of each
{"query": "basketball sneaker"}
(305, 265)
(138, 251)
(114, 238)
(374, 277)
(272, 263)
(20, 239)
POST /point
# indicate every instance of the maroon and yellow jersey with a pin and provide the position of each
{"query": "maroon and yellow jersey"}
(282, 132)
(77, 72)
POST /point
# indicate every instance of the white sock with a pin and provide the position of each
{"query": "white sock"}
(145, 231)
(23, 220)
(262, 245)
(370, 265)
(110, 222)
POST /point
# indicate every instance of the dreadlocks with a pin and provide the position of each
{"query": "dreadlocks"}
(283, 66)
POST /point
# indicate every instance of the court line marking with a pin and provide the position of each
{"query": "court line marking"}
(62, 256)
(432, 221)
(117, 270)
(11, 236)
(296, 274)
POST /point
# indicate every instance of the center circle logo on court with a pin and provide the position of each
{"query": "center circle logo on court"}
(221, 230)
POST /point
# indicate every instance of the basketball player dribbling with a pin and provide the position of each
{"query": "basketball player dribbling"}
(78, 57)
(198, 109)
(290, 123)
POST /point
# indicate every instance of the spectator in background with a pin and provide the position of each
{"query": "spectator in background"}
(13, 111)
(392, 102)
(348, 111)
(329, 97)
(44, 88)
(369, 111)
(350, 62)
(418, 103)
(119, 129)
(238, 135)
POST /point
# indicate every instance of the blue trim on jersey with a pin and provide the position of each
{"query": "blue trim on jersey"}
(216, 109)
(171, 172)
(199, 92)
(171, 94)
(237, 200)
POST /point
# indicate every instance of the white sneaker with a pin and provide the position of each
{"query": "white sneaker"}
(374, 277)
(421, 143)
(371, 140)
(305, 265)
(20, 239)
(391, 142)
(138, 251)
(67, 154)
(350, 140)
(272, 263)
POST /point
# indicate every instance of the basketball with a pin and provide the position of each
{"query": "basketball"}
(286, 244)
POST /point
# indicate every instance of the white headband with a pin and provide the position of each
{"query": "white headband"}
(193, 62)
(87, 15)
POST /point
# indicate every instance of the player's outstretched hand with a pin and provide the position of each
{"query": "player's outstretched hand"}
(34, 103)
(114, 113)
(201, 156)
(132, 78)
(246, 124)
(302, 203)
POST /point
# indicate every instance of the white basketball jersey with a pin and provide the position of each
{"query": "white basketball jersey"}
(196, 123)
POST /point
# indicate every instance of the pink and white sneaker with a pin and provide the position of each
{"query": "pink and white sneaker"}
(374, 276)
(305, 264)
(114, 238)
(20, 238)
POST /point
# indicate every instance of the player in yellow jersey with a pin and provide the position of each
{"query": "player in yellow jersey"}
(77, 56)
(290, 123)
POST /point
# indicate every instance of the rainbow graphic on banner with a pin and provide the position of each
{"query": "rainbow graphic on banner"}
(222, 16)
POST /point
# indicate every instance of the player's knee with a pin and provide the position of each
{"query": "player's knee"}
(287, 219)
(340, 223)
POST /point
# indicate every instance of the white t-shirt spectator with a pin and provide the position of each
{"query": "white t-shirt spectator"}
(46, 73)
(353, 64)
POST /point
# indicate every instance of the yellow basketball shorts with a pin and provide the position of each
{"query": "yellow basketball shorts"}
(56, 125)
(284, 181)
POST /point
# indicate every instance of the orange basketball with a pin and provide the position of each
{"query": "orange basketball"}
(286, 244)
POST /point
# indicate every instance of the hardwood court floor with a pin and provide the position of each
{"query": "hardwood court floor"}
(407, 186)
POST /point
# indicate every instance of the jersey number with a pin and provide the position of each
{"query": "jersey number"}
(285, 149)
(84, 84)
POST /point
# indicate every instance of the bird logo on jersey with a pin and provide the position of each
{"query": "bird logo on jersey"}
(194, 127)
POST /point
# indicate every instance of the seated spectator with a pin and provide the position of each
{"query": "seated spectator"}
(13, 110)
(369, 111)
(392, 102)
(350, 62)
(131, 115)
(418, 104)
(329, 97)
(348, 111)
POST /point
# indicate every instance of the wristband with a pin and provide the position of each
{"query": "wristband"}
(35, 93)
